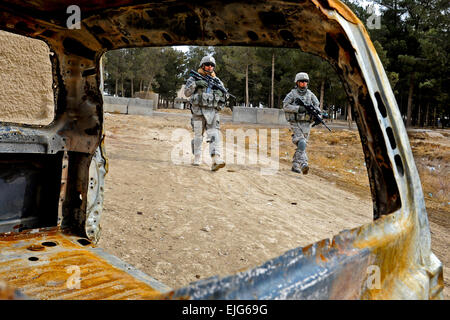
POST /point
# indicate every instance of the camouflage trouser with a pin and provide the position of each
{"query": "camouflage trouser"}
(199, 125)
(300, 135)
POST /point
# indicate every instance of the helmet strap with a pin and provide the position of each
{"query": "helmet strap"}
(302, 90)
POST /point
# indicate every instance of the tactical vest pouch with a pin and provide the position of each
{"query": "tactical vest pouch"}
(219, 101)
(195, 109)
(290, 116)
(207, 100)
(294, 117)
(195, 99)
(302, 116)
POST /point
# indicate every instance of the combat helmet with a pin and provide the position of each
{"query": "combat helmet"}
(301, 76)
(206, 59)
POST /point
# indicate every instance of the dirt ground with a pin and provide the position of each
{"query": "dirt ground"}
(180, 223)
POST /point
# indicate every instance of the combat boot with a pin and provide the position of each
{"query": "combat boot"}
(217, 163)
(197, 160)
(305, 168)
(296, 167)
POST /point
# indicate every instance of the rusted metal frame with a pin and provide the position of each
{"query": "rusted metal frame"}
(405, 235)
(18, 139)
(76, 92)
(324, 270)
(62, 194)
(43, 251)
(130, 269)
(94, 205)
(74, 56)
(394, 241)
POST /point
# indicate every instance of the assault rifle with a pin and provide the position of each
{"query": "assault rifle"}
(213, 83)
(317, 117)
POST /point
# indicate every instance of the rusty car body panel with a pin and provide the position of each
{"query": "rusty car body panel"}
(397, 242)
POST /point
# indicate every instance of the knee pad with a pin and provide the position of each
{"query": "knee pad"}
(212, 135)
(302, 144)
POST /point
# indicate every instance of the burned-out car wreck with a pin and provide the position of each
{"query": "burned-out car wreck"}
(51, 176)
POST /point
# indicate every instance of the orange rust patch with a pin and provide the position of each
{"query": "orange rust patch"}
(36, 247)
(344, 11)
(66, 270)
(341, 8)
(307, 250)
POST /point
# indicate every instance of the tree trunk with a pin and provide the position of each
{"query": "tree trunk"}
(419, 117)
(410, 96)
(349, 116)
(117, 87)
(434, 117)
(121, 85)
(273, 79)
(140, 86)
(322, 93)
(426, 115)
(246, 87)
(345, 112)
(132, 88)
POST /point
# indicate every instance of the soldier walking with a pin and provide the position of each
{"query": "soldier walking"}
(205, 105)
(300, 120)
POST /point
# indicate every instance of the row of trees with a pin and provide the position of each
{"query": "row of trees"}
(414, 45)
(254, 75)
(412, 42)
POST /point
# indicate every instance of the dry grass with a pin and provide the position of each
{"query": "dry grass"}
(335, 156)
(338, 157)
(173, 110)
(432, 156)
(226, 111)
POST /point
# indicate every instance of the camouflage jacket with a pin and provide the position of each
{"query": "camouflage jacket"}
(295, 112)
(203, 102)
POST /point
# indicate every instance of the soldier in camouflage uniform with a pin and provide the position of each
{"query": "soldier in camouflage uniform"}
(205, 104)
(300, 120)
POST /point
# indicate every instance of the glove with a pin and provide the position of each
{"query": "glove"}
(218, 93)
(301, 109)
(201, 83)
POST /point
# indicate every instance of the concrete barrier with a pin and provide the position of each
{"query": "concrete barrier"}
(135, 106)
(140, 106)
(247, 115)
(267, 116)
(115, 104)
(282, 118)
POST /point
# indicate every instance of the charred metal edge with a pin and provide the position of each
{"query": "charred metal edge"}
(16, 139)
(130, 269)
(313, 272)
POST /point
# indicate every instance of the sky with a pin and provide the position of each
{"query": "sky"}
(181, 48)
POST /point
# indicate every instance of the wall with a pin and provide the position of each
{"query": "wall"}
(26, 94)
(135, 106)
(259, 116)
